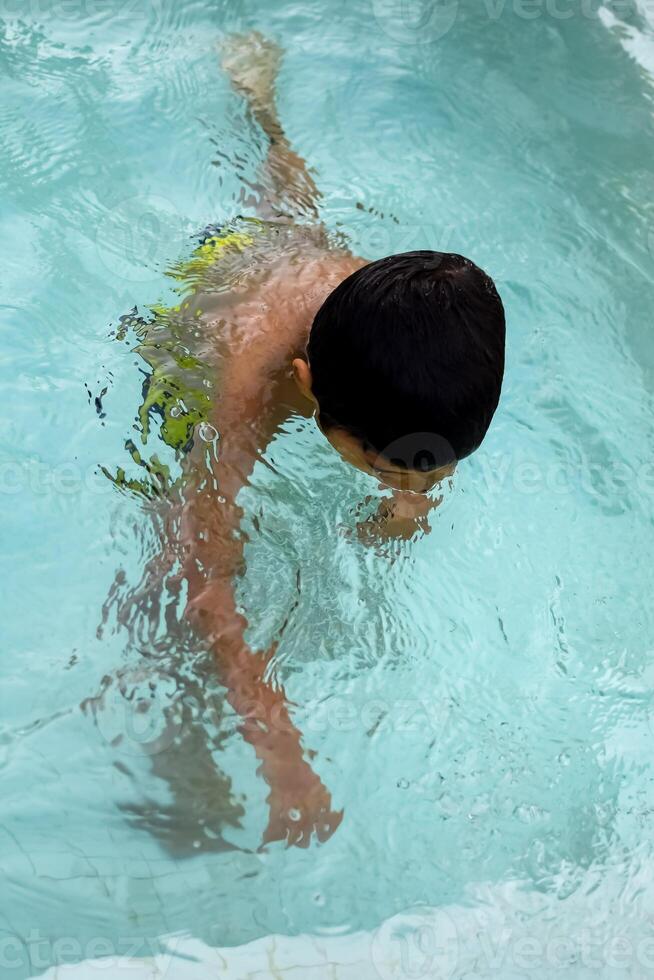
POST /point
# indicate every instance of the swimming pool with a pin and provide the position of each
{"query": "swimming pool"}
(479, 700)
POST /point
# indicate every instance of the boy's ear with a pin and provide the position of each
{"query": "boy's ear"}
(303, 379)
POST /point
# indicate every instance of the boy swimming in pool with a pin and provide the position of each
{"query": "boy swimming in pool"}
(401, 360)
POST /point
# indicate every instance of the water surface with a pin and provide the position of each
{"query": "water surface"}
(479, 700)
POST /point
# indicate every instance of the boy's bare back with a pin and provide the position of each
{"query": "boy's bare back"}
(255, 332)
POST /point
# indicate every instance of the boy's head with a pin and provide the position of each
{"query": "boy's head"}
(405, 363)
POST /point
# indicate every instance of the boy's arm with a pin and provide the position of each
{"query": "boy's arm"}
(399, 516)
(300, 805)
(252, 63)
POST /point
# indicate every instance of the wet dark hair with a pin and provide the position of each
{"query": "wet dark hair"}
(408, 350)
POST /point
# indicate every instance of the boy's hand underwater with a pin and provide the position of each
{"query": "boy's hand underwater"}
(399, 517)
(300, 806)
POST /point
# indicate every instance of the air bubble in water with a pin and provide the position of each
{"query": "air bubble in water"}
(207, 432)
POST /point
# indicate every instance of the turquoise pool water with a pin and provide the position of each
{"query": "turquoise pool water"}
(479, 700)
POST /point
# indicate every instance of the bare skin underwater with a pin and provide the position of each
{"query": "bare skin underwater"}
(253, 335)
